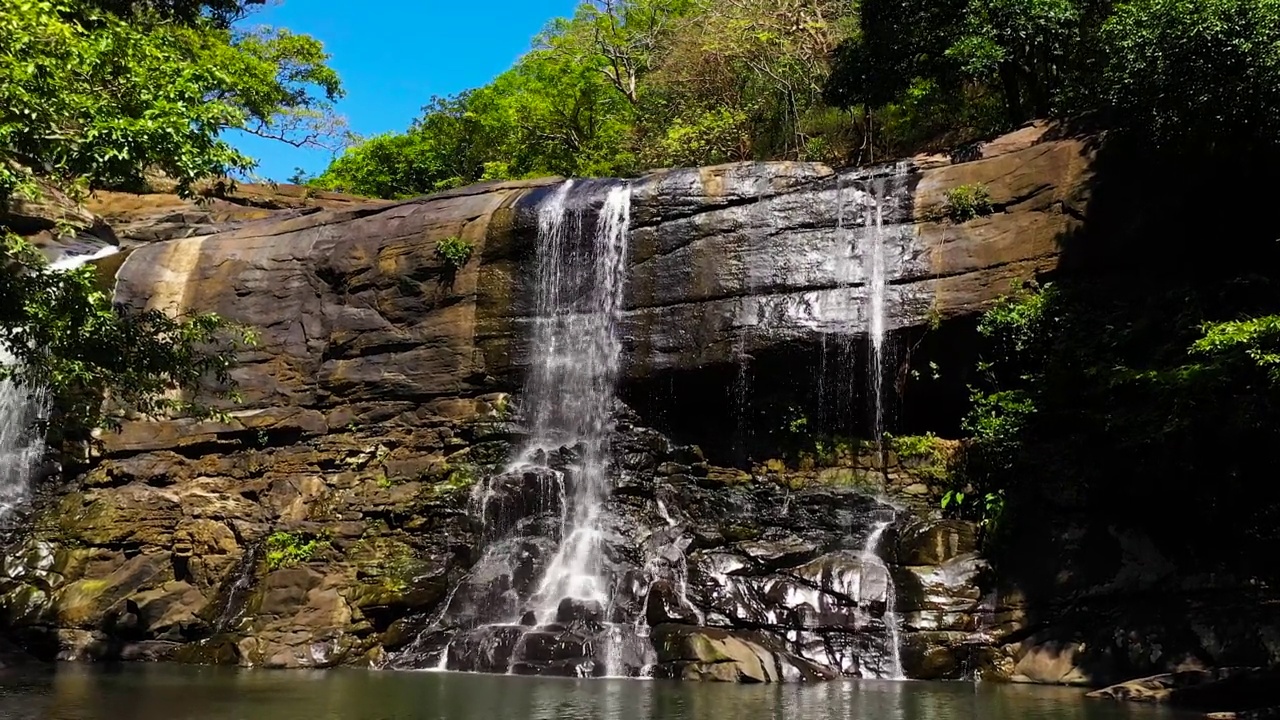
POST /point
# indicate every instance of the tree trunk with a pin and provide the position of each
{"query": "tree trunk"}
(1012, 94)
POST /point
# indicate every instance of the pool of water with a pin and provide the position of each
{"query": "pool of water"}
(161, 692)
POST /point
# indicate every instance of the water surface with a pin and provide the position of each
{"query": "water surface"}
(187, 693)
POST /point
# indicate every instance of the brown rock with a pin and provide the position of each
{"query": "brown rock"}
(694, 653)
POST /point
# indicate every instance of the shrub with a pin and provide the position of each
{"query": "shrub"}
(966, 202)
(287, 549)
(455, 251)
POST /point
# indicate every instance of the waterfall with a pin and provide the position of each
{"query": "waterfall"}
(22, 408)
(875, 316)
(21, 439)
(860, 260)
(892, 624)
(756, 212)
(570, 392)
(546, 579)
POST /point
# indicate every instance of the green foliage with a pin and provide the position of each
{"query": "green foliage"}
(914, 446)
(628, 84)
(621, 85)
(926, 456)
(69, 338)
(220, 13)
(798, 424)
(706, 138)
(1100, 394)
(454, 477)
(1176, 74)
(92, 99)
(1191, 73)
(967, 202)
(98, 93)
(1235, 343)
(987, 511)
(455, 251)
(288, 549)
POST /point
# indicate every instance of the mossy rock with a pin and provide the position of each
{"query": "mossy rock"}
(213, 651)
(739, 533)
(491, 453)
(79, 603)
(385, 558)
(449, 482)
(728, 476)
(26, 605)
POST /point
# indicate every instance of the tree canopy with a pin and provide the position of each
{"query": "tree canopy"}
(626, 85)
(93, 99)
(99, 94)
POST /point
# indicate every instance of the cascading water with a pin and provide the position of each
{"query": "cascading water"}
(757, 214)
(540, 601)
(876, 285)
(22, 408)
(571, 390)
(860, 260)
(21, 439)
(871, 555)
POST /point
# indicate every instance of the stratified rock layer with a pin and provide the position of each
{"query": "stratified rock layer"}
(332, 519)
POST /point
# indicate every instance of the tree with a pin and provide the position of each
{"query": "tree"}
(552, 113)
(68, 338)
(1191, 73)
(93, 100)
(219, 12)
(621, 39)
(763, 59)
(96, 94)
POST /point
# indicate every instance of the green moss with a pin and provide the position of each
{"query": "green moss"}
(493, 453)
(967, 202)
(387, 560)
(739, 533)
(449, 480)
(927, 456)
(287, 549)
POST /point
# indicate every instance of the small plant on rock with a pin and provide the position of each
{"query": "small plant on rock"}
(926, 456)
(287, 549)
(967, 202)
(455, 251)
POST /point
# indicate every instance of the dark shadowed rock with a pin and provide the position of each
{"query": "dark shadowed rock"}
(1235, 690)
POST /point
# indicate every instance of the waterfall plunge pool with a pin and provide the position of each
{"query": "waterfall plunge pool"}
(171, 692)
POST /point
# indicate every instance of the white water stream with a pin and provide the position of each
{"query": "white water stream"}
(23, 408)
(571, 389)
(21, 439)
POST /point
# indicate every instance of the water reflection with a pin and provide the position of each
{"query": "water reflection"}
(178, 693)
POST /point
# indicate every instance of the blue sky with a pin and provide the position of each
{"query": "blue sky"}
(393, 55)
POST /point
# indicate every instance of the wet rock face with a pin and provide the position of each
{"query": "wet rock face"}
(782, 578)
(687, 653)
(343, 513)
(747, 258)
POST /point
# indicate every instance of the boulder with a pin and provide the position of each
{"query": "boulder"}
(1225, 690)
(724, 656)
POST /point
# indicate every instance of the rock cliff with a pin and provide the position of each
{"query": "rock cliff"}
(332, 519)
